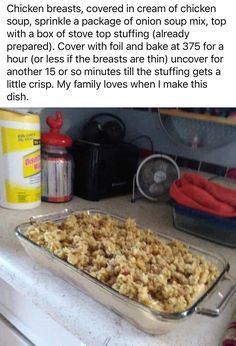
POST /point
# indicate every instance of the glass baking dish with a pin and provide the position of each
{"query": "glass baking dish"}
(204, 225)
(151, 321)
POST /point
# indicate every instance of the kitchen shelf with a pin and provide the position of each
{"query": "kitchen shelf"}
(197, 116)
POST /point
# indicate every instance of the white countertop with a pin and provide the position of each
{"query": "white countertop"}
(92, 323)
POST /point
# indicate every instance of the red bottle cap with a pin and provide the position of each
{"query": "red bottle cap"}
(54, 137)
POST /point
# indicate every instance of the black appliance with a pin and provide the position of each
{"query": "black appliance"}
(103, 170)
(104, 128)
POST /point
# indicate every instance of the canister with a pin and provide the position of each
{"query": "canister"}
(20, 180)
(57, 163)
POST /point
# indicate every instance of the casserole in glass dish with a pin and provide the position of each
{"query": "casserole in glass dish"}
(210, 302)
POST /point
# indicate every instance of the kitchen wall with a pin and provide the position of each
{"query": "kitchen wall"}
(149, 123)
(141, 122)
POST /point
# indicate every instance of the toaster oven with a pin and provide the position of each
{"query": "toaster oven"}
(103, 170)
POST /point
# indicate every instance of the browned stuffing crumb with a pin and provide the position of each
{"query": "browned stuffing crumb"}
(135, 262)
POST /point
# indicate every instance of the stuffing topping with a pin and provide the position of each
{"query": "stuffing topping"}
(133, 261)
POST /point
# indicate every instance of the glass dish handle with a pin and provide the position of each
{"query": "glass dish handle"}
(215, 302)
(57, 216)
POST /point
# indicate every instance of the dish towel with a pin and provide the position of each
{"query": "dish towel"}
(229, 338)
(194, 191)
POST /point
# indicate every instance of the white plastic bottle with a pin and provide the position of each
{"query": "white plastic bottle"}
(20, 168)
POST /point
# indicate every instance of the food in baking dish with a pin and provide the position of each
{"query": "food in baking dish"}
(165, 276)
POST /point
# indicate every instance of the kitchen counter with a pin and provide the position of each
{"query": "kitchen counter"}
(90, 322)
